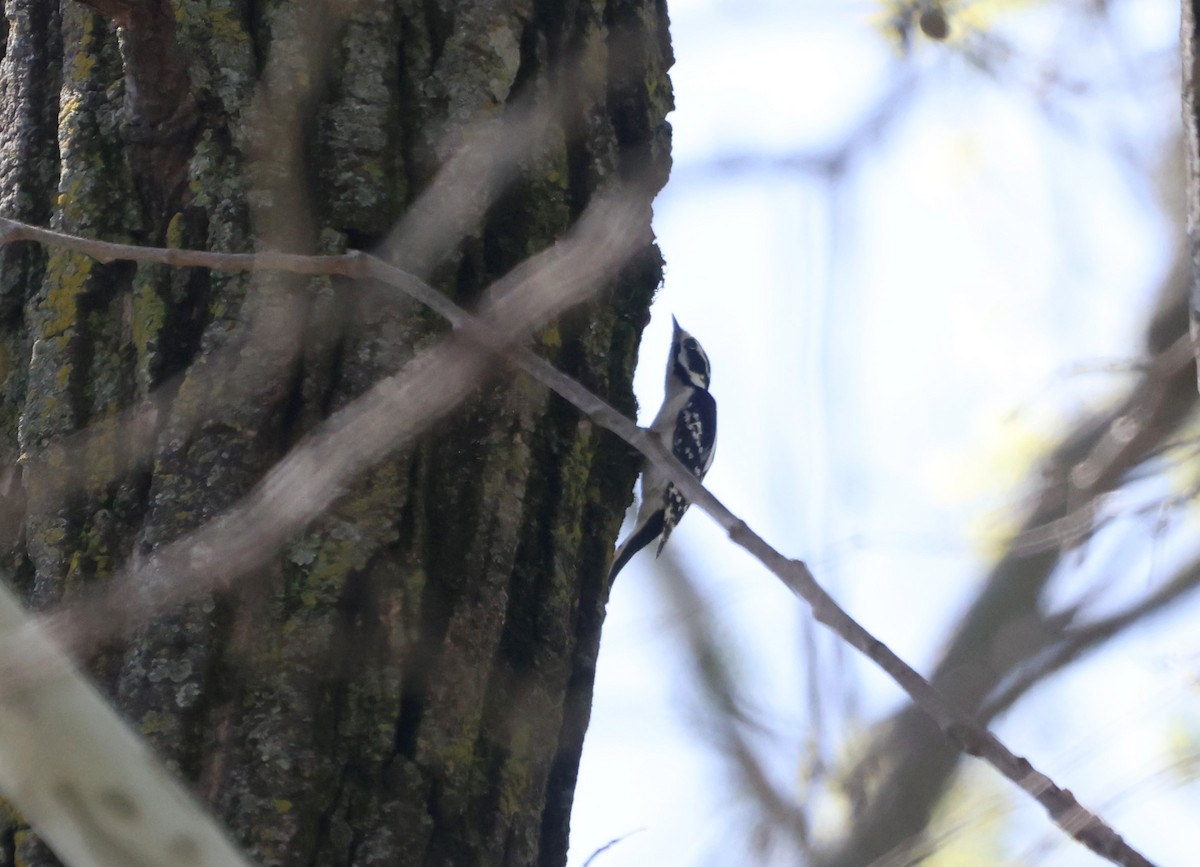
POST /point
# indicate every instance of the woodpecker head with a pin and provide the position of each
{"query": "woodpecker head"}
(689, 364)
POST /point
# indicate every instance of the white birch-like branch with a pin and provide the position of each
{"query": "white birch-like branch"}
(86, 782)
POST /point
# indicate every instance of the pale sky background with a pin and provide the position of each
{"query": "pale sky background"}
(888, 351)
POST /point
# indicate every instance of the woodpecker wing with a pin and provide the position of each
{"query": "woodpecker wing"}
(694, 444)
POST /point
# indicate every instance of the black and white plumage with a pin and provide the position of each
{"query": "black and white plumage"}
(687, 423)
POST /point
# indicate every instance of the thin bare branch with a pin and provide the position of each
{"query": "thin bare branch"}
(105, 251)
(613, 842)
(1111, 444)
(306, 481)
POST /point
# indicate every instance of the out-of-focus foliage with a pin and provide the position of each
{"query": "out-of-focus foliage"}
(901, 21)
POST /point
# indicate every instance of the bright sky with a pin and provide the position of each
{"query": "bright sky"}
(888, 352)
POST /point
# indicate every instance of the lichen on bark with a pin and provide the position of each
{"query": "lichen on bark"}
(408, 682)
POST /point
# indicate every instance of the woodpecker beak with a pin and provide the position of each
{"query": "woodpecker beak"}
(675, 322)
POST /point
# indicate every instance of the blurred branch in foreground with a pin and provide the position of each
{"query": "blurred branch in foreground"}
(304, 483)
(307, 480)
(85, 780)
(977, 671)
(365, 690)
(295, 491)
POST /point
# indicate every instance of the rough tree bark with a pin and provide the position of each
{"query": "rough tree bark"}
(409, 683)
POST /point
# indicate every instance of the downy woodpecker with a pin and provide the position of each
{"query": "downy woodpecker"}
(687, 425)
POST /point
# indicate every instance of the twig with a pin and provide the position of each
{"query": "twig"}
(1111, 444)
(201, 553)
(613, 842)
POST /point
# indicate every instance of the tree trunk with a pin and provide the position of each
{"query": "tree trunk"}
(409, 681)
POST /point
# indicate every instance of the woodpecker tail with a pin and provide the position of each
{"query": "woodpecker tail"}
(638, 539)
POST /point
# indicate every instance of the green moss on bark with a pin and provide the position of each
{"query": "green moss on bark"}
(409, 681)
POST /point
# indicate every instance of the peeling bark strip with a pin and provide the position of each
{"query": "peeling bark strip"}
(1188, 38)
(408, 681)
